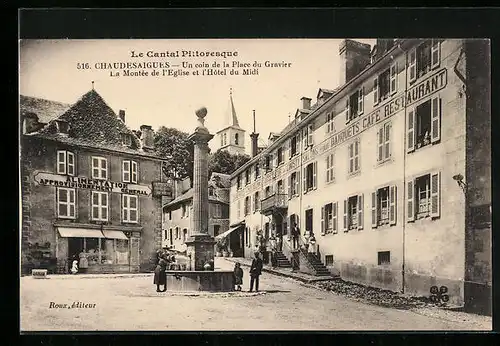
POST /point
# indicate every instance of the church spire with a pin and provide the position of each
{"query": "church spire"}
(233, 119)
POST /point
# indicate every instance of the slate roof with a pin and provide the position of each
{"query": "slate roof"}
(92, 123)
(46, 110)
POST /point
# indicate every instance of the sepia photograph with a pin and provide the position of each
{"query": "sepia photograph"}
(339, 184)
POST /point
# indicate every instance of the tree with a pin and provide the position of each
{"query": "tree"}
(224, 162)
(177, 149)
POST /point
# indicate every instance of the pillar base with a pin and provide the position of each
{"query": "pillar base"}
(200, 250)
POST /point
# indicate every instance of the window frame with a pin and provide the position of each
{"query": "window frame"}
(330, 168)
(131, 171)
(66, 154)
(353, 155)
(128, 197)
(100, 206)
(100, 160)
(68, 203)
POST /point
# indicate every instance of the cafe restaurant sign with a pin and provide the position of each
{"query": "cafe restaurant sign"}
(50, 179)
(421, 90)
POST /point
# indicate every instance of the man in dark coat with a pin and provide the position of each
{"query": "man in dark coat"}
(255, 271)
(160, 277)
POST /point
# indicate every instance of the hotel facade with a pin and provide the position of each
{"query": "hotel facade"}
(89, 186)
(391, 170)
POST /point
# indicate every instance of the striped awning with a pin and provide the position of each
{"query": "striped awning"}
(67, 232)
(226, 233)
(114, 235)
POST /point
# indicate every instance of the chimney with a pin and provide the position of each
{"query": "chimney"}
(121, 115)
(147, 138)
(254, 136)
(354, 57)
(382, 46)
(306, 103)
(30, 123)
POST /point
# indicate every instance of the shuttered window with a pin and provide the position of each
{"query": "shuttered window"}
(424, 197)
(383, 206)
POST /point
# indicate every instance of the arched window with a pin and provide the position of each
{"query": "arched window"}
(236, 139)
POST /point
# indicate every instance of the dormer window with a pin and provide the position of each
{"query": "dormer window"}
(62, 126)
(126, 139)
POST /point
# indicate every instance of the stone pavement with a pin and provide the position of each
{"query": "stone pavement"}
(132, 303)
(286, 272)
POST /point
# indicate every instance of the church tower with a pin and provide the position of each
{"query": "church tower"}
(232, 136)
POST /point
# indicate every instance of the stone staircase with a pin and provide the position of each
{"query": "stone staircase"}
(283, 262)
(318, 266)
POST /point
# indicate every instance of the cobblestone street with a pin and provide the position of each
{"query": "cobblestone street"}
(130, 302)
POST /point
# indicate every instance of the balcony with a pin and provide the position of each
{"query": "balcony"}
(274, 202)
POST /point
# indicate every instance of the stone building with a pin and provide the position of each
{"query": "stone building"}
(177, 214)
(391, 171)
(231, 137)
(90, 185)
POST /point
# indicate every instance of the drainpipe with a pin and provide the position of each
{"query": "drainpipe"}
(404, 179)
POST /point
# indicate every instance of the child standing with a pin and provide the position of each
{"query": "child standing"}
(74, 266)
(238, 276)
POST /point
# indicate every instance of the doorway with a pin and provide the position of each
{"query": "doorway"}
(236, 242)
(75, 246)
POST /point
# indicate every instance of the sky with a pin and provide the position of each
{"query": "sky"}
(49, 69)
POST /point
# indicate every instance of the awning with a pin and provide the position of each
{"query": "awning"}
(79, 232)
(114, 235)
(226, 233)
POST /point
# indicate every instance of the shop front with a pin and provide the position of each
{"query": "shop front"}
(96, 250)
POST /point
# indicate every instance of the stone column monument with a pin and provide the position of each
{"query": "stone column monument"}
(200, 245)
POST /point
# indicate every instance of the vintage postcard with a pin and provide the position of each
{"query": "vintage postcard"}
(255, 184)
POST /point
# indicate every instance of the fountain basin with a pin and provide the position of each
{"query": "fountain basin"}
(195, 280)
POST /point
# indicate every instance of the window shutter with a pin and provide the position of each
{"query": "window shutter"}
(304, 180)
(310, 130)
(290, 186)
(410, 133)
(71, 163)
(104, 166)
(435, 119)
(134, 172)
(387, 140)
(327, 168)
(374, 209)
(360, 212)
(361, 99)
(126, 171)
(322, 220)
(356, 155)
(394, 78)
(350, 157)
(411, 201)
(380, 144)
(347, 111)
(315, 174)
(375, 91)
(289, 148)
(412, 64)
(61, 162)
(435, 194)
(297, 182)
(435, 53)
(392, 204)
(345, 215)
(335, 208)
(71, 203)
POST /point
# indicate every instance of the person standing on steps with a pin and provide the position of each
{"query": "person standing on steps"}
(255, 272)
(295, 236)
